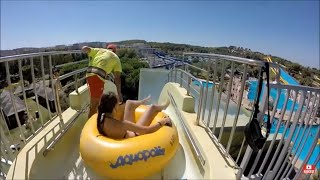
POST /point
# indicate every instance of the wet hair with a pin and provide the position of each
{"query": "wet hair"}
(108, 102)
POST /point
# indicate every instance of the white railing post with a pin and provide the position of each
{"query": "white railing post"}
(213, 89)
(219, 97)
(29, 119)
(227, 102)
(244, 162)
(35, 91)
(53, 86)
(12, 98)
(244, 77)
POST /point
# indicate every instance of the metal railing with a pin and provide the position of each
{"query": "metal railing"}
(226, 130)
(188, 79)
(187, 131)
(284, 147)
(41, 99)
(50, 147)
(295, 132)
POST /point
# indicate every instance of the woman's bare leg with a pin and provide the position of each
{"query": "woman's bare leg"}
(151, 112)
(131, 106)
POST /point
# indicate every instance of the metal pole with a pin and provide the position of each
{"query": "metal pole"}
(287, 144)
(244, 162)
(25, 97)
(227, 102)
(242, 144)
(181, 76)
(316, 162)
(314, 143)
(205, 96)
(305, 112)
(45, 87)
(63, 131)
(5, 141)
(175, 77)
(189, 84)
(184, 63)
(219, 98)
(76, 83)
(295, 139)
(187, 133)
(53, 83)
(56, 92)
(278, 76)
(297, 154)
(13, 102)
(277, 157)
(4, 121)
(35, 91)
(276, 154)
(274, 135)
(244, 77)
(4, 156)
(199, 105)
(254, 166)
(212, 94)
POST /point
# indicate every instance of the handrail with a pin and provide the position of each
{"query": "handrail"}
(73, 83)
(239, 86)
(72, 73)
(202, 94)
(190, 75)
(233, 58)
(188, 89)
(186, 130)
(23, 56)
(71, 63)
(193, 66)
(63, 131)
(32, 118)
(295, 87)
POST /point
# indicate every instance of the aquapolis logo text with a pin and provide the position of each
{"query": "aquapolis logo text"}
(139, 156)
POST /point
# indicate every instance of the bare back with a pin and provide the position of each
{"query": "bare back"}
(114, 128)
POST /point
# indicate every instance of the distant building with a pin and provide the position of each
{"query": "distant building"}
(8, 112)
(76, 46)
(41, 91)
(60, 46)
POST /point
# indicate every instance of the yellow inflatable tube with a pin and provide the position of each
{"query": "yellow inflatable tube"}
(132, 158)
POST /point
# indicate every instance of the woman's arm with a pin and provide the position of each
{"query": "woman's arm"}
(128, 125)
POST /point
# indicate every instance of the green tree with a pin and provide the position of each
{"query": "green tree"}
(306, 81)
(131, 66)
(294, 68)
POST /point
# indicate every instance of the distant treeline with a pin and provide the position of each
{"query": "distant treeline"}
(305, 75)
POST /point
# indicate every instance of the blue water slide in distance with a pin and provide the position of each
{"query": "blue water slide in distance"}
(288, 78)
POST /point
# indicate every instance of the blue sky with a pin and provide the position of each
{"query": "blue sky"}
(282, 28)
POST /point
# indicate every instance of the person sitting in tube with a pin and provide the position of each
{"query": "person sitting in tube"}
(110, 123)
